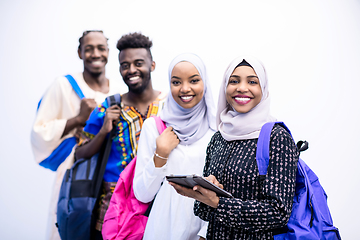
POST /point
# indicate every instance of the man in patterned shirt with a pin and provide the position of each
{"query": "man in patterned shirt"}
(140, 102)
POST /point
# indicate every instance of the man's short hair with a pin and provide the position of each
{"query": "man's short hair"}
(86, 33)
(134, 40)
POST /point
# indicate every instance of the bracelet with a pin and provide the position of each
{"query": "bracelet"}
(164, 158)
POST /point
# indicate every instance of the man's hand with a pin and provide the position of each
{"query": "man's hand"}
(112, 117)
(87, 105)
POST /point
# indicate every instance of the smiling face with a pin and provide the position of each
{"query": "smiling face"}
(94, 52)
(135, 68)
(186, 85)
(243, 91)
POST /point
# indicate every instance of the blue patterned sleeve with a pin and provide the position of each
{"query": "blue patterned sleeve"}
(96, 119)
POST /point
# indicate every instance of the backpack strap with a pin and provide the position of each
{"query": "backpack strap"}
(111, 100)
(75, 86)
(114, 99)
(161, 127)
(159, 124)
(60, 153)
(263, 146)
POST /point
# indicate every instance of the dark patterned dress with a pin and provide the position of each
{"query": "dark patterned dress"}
(259, 207)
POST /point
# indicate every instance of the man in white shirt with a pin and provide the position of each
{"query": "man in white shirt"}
(62, 113)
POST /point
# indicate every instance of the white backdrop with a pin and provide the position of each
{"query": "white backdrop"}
(311, 50)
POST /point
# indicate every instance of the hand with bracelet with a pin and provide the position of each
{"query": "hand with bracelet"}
(165, 143)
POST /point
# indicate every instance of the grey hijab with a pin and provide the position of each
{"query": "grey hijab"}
(190, 124)
(238, 126)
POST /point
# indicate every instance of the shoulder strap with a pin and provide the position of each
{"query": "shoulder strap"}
(75, 86)
(263, 146)
(159, 124)
(161, 127)
(112, 100)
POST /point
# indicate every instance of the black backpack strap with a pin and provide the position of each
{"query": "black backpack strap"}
(114, 99)
(147, 212)
(111, 100)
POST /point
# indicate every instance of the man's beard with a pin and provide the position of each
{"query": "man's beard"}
(95, 74)
(143, 87)
(140, 89)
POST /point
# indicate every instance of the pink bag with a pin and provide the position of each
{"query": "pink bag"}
(125, 218)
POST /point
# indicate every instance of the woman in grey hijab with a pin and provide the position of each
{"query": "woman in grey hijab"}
(260, 207)
(189, 115)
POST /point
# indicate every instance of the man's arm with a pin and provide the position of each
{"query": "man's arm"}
(87, 105)
(93, 146)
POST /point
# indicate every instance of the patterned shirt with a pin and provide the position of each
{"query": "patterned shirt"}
(124, 144)
(258, 206)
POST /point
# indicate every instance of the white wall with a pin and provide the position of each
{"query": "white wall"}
(310, 48)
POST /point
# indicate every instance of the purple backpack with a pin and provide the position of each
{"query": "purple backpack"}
(310, 217)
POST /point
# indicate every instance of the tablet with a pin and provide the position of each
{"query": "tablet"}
(190, 181)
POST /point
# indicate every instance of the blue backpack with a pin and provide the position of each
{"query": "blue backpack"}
(310, 217)
(64, 149)
(80, 189)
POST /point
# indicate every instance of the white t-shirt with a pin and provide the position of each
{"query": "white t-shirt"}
(172, 215)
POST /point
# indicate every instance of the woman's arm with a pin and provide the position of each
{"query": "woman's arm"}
(199, 193)
(165, 143)
(87, 105)
(203, 211)
(148, 177)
